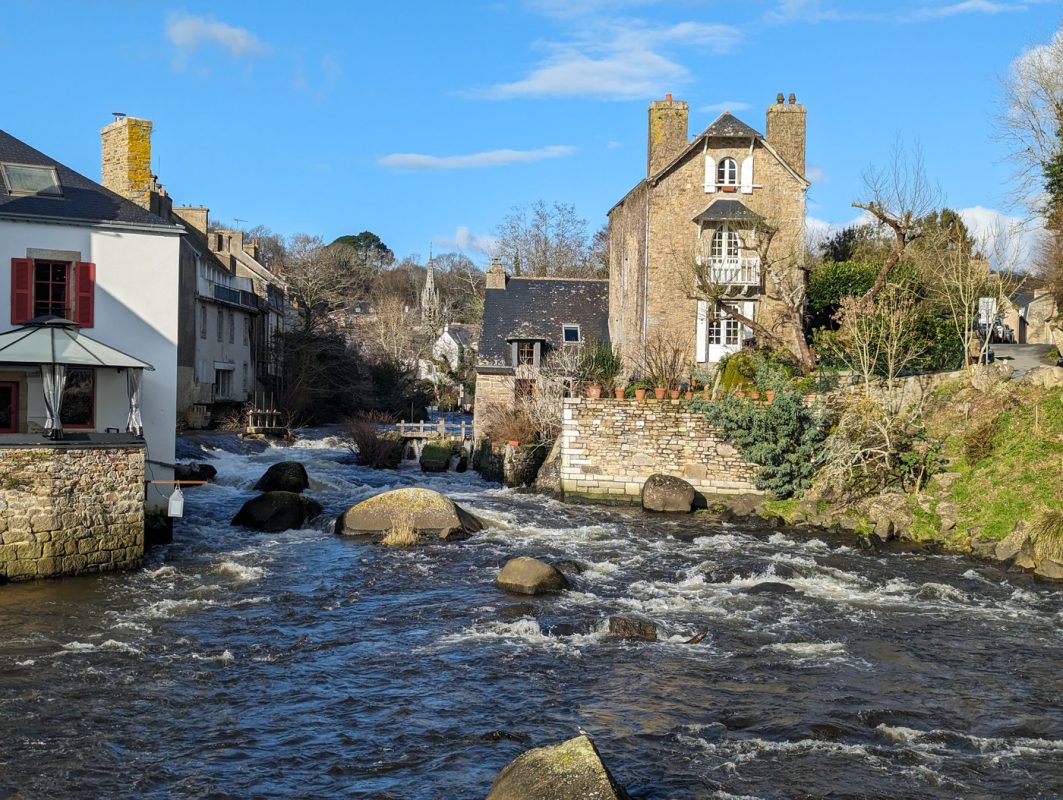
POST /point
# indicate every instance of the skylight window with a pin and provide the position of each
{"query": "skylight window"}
(571, 333)
(24, 179)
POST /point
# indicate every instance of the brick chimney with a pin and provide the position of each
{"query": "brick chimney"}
(195, 216)
(667, 132)
(496, 274)
(786, 131)
(127, 159)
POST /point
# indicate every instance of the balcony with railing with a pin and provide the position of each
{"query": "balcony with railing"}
(732, 270)
(236, 291)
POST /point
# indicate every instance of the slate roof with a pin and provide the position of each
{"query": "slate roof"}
(727, 125)
(83, 200)
(536, 308)
(727, 211)
(460, 334)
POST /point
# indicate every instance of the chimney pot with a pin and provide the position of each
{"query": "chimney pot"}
(779, 98)
(793, 98)
(668, 98)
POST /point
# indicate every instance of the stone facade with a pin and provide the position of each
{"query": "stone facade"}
(492, 391)
(70, 511)
(610, 447)
(511, 466)
(654, 238)
(127, 159)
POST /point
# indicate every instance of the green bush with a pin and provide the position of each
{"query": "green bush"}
(978, 441)
(829, 282)
(784, 438)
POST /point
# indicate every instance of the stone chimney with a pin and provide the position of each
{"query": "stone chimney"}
(251, 248)
(496, 274)
(127, 159)
(195, 216)
(786, 131)
(667, 132)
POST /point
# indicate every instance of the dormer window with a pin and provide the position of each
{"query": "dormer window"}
(31, 180)
(570, 334)
(727, 172)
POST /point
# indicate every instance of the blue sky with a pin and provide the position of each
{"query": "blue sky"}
(426, 121)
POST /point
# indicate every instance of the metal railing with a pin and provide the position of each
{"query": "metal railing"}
(732, 270)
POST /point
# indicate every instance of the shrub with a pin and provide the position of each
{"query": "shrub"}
(1046, 534)
(401, 533)
(978, 441)
(782, 438)
(372, 446)
(502, 424)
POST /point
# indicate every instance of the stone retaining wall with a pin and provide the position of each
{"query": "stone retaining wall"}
(70, 511)
(610, 447)
(511, 466)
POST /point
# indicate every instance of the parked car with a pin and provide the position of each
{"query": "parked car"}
(1003, 334)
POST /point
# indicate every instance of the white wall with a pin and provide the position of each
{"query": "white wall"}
(135, 312)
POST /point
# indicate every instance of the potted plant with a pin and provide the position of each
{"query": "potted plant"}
(664, 361)
(593, 390)
(673, 393)
(640, 389)
(619, 391)
(769, 395)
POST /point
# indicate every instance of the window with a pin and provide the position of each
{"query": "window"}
(58, 288)
(232, 327)
(79, 399)
(221, 323)
(725, 243)
(525, 353)
(724, 330)
(223, 383)
(202, 322)
(24, 179)
(727, 172)
(8, 407)
(571, 333)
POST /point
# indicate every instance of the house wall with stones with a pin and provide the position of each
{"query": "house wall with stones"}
(610, 447)
(653, 239)
(492, 391)
(70, 511)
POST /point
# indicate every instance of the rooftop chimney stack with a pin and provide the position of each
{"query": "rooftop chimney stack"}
(194, 216)
(127, 159)
(496, 274)
(786, 131)
(667, 132)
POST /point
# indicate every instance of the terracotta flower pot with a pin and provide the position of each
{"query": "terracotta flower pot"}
(689, 394)
(755, 395)
(770, 395)
(705, 393)
(640, 394)
(673, 393)
(659, 392)
(739, 393)
(594, 391)
(513, 443)
(618, 393)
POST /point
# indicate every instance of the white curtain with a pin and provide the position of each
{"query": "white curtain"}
(54, 379)
(134, 423)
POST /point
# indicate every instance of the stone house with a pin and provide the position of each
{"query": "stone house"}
(700, 208)
(231, 306)
(526, 320)
(88, 368)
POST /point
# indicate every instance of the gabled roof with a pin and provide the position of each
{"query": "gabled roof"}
(729, 126)
(727, 211)
(460, 334)
(83, 200)
(536, 308)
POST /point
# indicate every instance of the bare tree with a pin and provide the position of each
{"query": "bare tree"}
(543, 239)
(898, 198)
(320, 280)
(783, 277)
(394, 331)
(1030, 121)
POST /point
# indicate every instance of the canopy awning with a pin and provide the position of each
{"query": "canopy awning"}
(53, 340)
(727, 211)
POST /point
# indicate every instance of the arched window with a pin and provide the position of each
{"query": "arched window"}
(725, 243)
(727, 172)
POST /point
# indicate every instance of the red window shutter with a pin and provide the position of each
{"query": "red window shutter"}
(84, 293)
(21, 290)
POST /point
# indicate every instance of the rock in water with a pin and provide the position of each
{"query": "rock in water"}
(571, 770)
(286, 476)
(771, 587)
(194, 472)
(524, 575)
(631, 628)
(430, 514)
(667, 493)
(435, 457)
(277, 511)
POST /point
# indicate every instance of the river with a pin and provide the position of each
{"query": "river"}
(240, 664)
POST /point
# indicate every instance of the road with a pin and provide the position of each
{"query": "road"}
(1023, 357)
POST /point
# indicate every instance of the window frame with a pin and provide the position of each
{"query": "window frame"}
(723, 167)
(525, 347)
(727, 238)
(56, 195)
(91, 424)
(68, 310)
(571, 326)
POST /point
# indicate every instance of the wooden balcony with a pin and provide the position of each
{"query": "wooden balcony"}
(739, 271)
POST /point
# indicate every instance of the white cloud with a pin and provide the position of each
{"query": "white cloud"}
(726, 105)
(188, 33)
(1008, 241)
(813, 11)
(816, 174)
(966, 7)
(467, 241)
(488, 158)
(617, 59)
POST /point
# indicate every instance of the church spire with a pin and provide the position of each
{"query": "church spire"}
(429, 294)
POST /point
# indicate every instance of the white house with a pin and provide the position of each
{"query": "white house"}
(74, 250)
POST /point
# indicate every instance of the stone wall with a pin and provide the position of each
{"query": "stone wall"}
(491, 390)
(511, 466)
(610, 447)
(70, 511)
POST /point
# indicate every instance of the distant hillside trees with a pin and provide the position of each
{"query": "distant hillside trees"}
(540, 239)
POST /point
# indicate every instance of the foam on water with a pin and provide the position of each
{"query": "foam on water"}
(240, 571)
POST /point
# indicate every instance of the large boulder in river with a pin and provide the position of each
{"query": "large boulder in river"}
(430, 514)
(524, 575)
(194, 472)
(621, 627)
(285, 476)
(571, 770)
(667, 493)
(277, 511)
